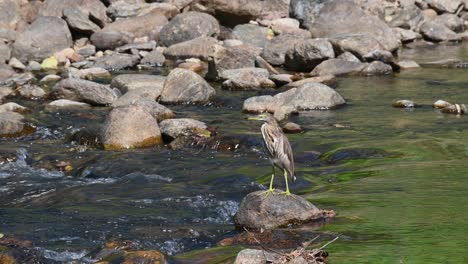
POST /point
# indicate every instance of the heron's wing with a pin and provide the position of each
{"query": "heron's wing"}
(269, 137)
(286, 152)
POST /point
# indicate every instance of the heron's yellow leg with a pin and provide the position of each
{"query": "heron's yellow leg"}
(271, 190)
(287, 192)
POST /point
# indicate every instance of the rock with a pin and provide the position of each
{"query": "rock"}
(129, 82)
(12, 107)
(337, 18)
(50, 63)
(230, 58)
(148, 26)
(121, 9)
(9, 14)
(444, 6)
(184, 86)
(438, 32)
(228, 43)
(150, 45)
(44, 37)
(309, 96)
(406, 17)
(251, 34)
(453, 22)
(338, 67)
(275, 50)
(292, 128)
(16, 64)
(130, 127)
(246, 79)
(154, 58)
(20, 79)
(104, 40)
(316, 79)
(34, 66)
(5, 52)
(408, 64)
(234, 12)
(255, 256)
(11, 124)
(308, 54)
(31, 91)
(92, 73)
(439, 104)
(117, 61)
(348, 56)
(458, 109)
(174, 128)
(79, 21)
(404, 104)
(358, 45)
(261, 63)
(4, 92)
(201, 48)
(258, 212)
(84, 91)
(50, 78)
(64, 103)
(158, 111)
(377, 68)
(182, 28)
(88, 50)
(95, 8)
(281, 79)
(407, 35)
(194, 65)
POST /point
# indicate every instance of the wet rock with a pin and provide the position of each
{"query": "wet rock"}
(5, 52)
(12, 107)
(230, 58)
(327, 79)
(258, 212)
(188, 26)
(11, 124)
(130, 127)
(177, 127)
(246, 79)
(338, 67)
(149, 26)
(79, 21)
(95, 8)
(441, 104)
(437, 32)
(31, 91)
(91, 73)
(348, 56)
(201, 48)
(458, 109)
(358, 45)
(158, 111)
(453, 22)
(87, 50)
(64, 103)
(444, 6)
(292, 128)
(255, 256)
(407, 35)
(308, 54)
(130, 82)
(337, 18)
(275, 50)
(148, 46)
(408, 64)
(377, 68)
(4, 92)
(404, 104)
(194, 65)
(184, 86)
(234, 12)
(154, 58)
(281, 79)
(104, 40)
(20, 251)
(16, 64)
(84, 91)
(44, 37)
(251, 34)
(117, 61)
(20, 79)
(122, 9)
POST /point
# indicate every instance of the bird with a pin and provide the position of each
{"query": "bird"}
(278, 148)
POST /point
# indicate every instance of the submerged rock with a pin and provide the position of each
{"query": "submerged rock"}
(259, 212)
(441, 104)
(64, 103)
(184, 86)
(404, 104)
(458, 109)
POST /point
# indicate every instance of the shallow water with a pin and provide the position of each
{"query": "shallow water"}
(396, 178)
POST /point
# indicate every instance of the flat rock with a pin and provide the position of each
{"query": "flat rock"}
(307, 54)
(129, 82)
(201, 48)
(130, 127)
(177, 127)
(408, 64)
(125, 9)
(187, 26)
(251, 34)
(109, 39)
(184, 86)
(92, 73)
(258, 212)
(246, 79)
(44, 37)
(149, 26)
(230, 58)
(84, 91)
(338, 67)
(117, 61)
(64, 103)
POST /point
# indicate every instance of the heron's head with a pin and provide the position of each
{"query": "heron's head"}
(267, 117)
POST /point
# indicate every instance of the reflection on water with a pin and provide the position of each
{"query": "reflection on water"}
(396, 178)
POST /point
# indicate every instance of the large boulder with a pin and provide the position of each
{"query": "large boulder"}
(437, 32)
(246, 79)
(230, 58)
(130, 127)
(188, 26)
(9, 14)
(79, 21)
(177, 127)
(117, 61)
(251, 34)
(357, 44)
(334, 18)
(44, 37)
(84, 91)
(201, 48)
(185, 86)
(275, 50)
(157, 110)
(257, 211)
(95, 8)
(233, 12)
(148, 25)
(453, 22)
(308, 53)
(129, 82)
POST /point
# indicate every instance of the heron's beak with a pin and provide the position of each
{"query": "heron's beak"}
(261, 117)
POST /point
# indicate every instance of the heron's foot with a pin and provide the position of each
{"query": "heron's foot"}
(287, 193)
(268, 192)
